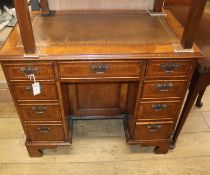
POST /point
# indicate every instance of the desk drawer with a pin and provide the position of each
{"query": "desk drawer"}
(42, 71)
(168, 68)
(96, 69)
(152, 131)
(157, 110)
(23, 91)
(161, 89)
(40, 112)
(45, 132)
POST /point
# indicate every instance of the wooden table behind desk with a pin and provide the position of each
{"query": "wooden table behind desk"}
(201, 78)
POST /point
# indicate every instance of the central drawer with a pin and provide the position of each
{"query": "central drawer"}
(97, 69)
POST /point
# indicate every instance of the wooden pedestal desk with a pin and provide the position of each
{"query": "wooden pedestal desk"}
(93, 65)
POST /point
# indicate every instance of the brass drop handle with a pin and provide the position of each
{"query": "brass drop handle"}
(164, 86)
(159, 107)
(169, 67)
(39, 109)
(100, 68)
(43, 129)
(154, 127)
(29, 70)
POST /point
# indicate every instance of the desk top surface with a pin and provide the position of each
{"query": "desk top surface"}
(102, 29)
(100, 33)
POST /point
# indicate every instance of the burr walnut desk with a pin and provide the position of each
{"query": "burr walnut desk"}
(99, 64)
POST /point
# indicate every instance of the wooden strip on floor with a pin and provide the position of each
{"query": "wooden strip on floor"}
(196, 123)
(104, 149)
(82, 150)
(207, 90)
(191, 145)
(11, 128)
(206, 104)
(182, 166)
(7, 110)
(207, 117)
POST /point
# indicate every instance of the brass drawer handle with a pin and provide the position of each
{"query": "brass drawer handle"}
(159, 107)
(169, 67)
(29, 70)
(39, 109)
(100, 68)
(164, 86)
(43, 129)
(154, 127)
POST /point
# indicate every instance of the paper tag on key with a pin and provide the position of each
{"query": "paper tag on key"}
(35, 86)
